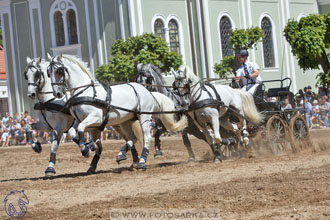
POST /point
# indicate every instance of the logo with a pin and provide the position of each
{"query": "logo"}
(15, 204)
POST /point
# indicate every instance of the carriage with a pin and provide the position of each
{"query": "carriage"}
(283, 128)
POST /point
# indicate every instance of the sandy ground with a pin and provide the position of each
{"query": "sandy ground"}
(282, 186)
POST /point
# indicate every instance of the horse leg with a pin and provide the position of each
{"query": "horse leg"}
(157, 135)
(96, 139)
(85, 148)
(145, 125)
(55, 137)
(188, 145)
(72, 132)
(127, 133)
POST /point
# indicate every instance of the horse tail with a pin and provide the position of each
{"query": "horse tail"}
(163, 103)
(249, 107)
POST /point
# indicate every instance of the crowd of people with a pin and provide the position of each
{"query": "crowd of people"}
(13, 128)
(317, 107)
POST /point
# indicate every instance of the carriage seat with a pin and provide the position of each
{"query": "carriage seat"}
(278, 92)
(259, 93)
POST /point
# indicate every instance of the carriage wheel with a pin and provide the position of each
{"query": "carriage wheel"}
(278, 135)
(300, 131)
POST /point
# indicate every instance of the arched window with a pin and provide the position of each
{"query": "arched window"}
(59, 29)
(268, 44)
(225, 27)
(159, 28)
(64, 23)
(72, 26)
(174, 36)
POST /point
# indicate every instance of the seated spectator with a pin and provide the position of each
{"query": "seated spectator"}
(8, 133)
(314, 119)
(322, 91)
(19, 135)
(324, 121)
(23, 130)
(287, 104)
(324, 105)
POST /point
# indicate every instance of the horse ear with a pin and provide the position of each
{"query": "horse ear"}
(59, 58)
(139, 66)
(28, 60)
(49, 56)
(39, 60)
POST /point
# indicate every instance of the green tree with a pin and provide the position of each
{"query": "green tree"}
(146, 48)
(309, 39)
(238, 39)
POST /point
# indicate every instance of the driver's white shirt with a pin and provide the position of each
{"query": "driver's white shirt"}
(251, 67)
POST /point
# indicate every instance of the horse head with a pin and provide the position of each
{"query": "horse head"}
(58, 74)
(182, 85)
(35, 76)
(146, 76)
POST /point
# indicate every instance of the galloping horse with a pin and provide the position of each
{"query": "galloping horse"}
(212, 105)
(97, 106)
(150, 76)
(51, 112)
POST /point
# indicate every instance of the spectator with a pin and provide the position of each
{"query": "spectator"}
(324, 121)
(17, 116)
(5, 119)
(308, 107)
(287, 104)
(27, 117)
(311, 96)
(19, 135)
(314, 119)
(23, 130)
(325, 105)
(322, 91)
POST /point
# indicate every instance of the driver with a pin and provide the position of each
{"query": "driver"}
(248, 72)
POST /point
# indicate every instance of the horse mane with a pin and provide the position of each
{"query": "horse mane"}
(189, 73)
(83, 65)
(158, 76)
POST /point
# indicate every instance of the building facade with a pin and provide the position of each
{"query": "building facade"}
(197, 29)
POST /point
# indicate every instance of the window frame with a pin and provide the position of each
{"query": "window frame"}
(63, 6)
(275, 52)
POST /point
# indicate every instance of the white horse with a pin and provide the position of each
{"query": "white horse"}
(213, 104)
(95, 105)
(52, 115)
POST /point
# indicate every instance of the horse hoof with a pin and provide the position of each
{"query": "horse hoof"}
(217, 160)
(191, 159)
(37, 147)
(141, 166)
(91, 170)
(134, 165)
(120, 158)
(158, 153)
(85, 150)
(50, 171)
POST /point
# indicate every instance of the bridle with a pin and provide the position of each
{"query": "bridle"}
(60, 69)
(38, 74)
(149, 81)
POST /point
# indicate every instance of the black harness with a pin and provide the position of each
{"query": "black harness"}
(210, 102)
(87, 100)
(51, 106)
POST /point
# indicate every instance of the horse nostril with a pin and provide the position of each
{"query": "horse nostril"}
(58, 94)
(33, 95)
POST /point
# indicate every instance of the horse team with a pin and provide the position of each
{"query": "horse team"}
(71, 100)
